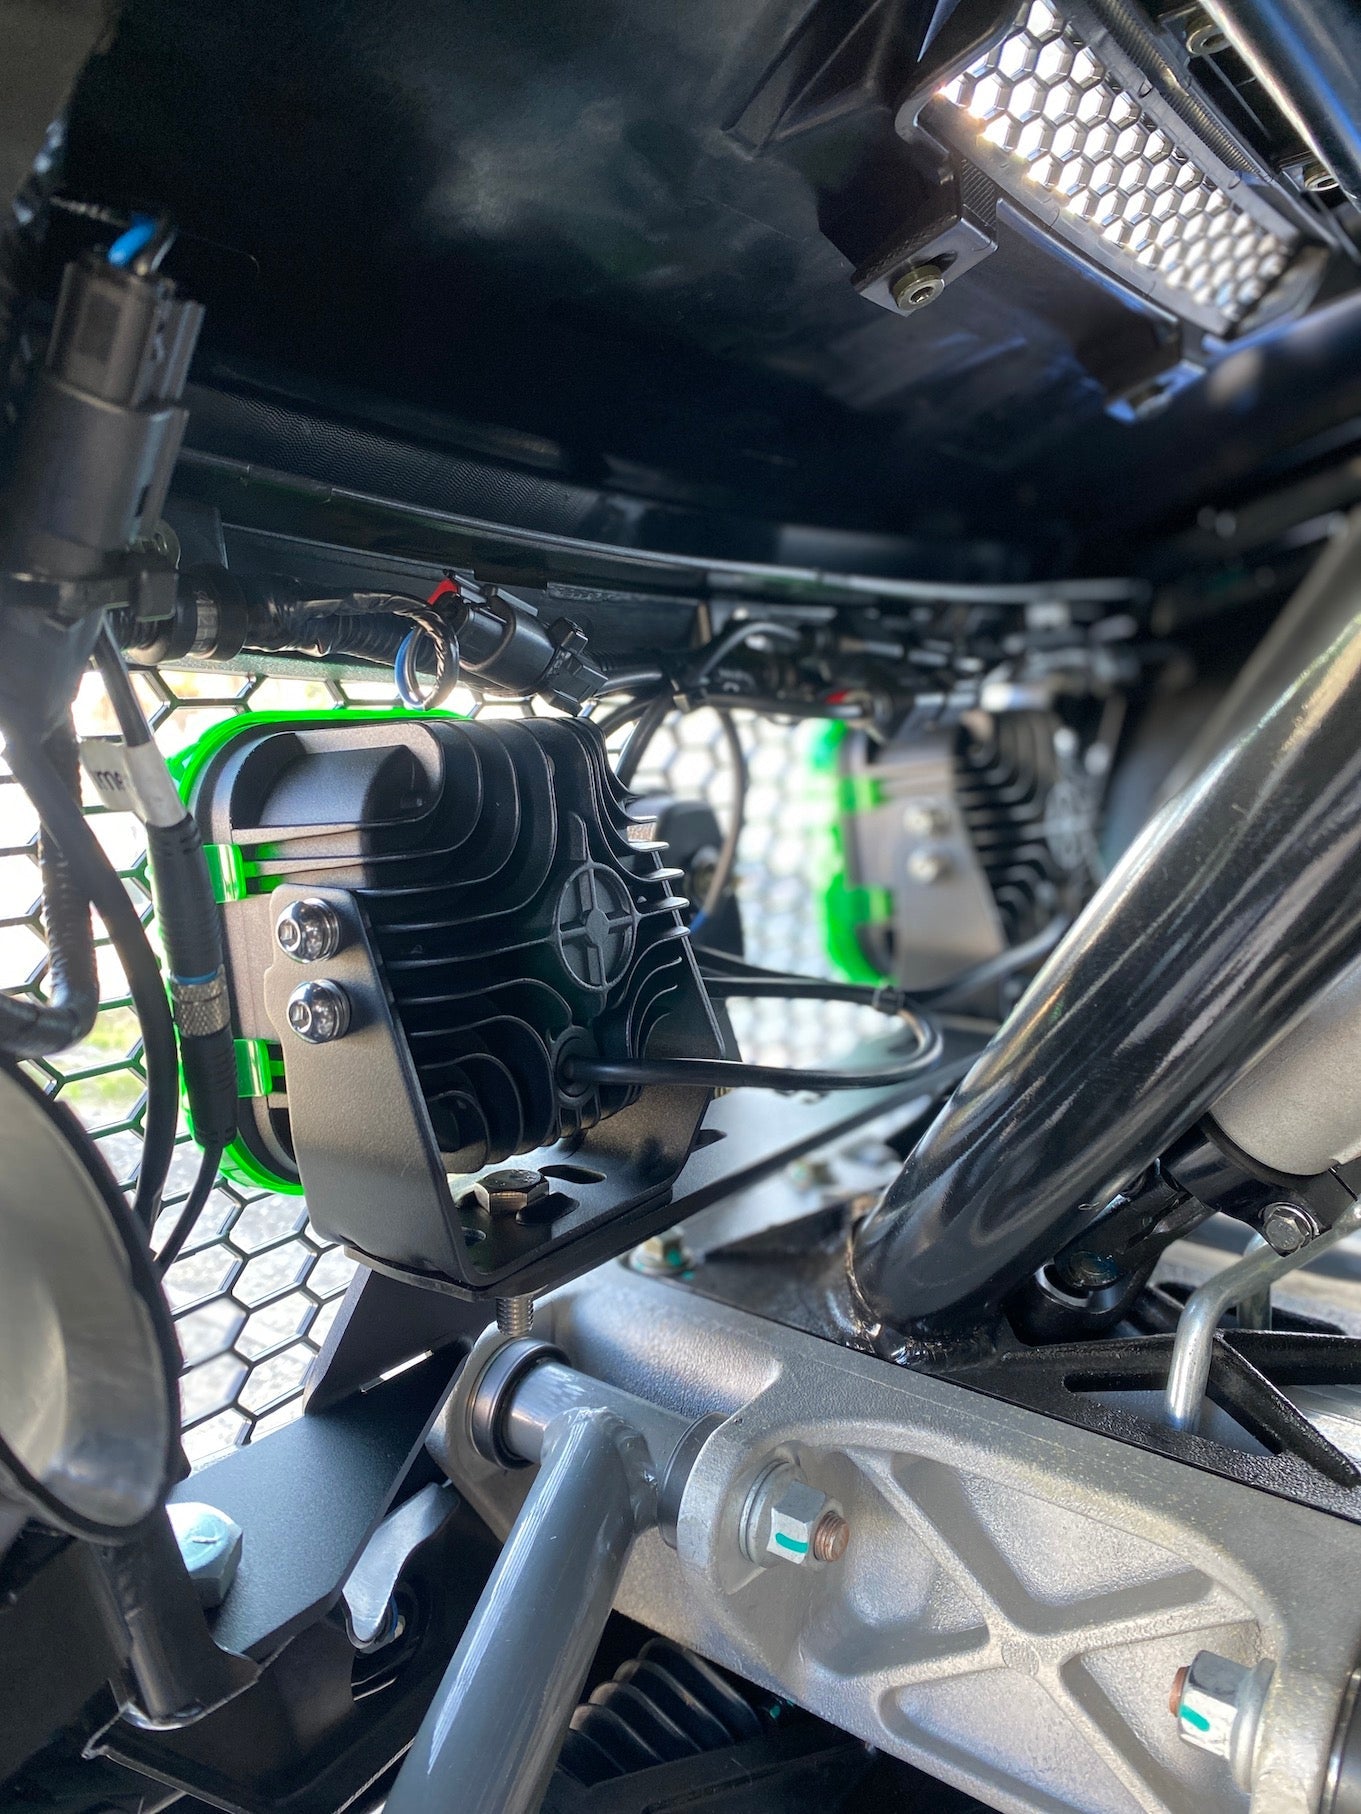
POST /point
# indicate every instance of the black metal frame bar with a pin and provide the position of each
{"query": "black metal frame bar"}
(1238, 904)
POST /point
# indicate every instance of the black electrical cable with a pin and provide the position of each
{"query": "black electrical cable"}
(192, 1209)
(95, 875)
(623, 714)
(363, 625)
(884, 1000)
(127, 707)
(727, 855)
(288, 613)
(650, 721)
(736, 1074)
(347, 613)
(734, 639)
(331, 634)
(629, 680)
(792, 710)
(187, 915)
(726, 975)
(445, 654)
(995, 969)
(36, 1029)
(149, 261)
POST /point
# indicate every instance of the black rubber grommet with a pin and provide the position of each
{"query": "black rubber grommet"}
(677, 1472)
(488, 1399)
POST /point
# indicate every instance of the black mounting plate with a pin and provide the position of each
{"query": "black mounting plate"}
(372, 1170)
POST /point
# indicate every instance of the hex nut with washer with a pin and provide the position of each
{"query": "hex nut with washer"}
(787, 1520)
(1286, 1227)
(1217, 1705)
(1205, 37)
(511, 1191)
(1316, 178)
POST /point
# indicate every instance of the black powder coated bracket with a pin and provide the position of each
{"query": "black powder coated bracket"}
(62, 1640)
(323, 1727)
(387, 1318)
(374, 1177)
(1113, 1386)
(384, 1323)
(1082, 1383)
(309, 1499)
(300, 1723)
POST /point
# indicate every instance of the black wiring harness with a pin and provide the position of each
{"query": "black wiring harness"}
(77, 876)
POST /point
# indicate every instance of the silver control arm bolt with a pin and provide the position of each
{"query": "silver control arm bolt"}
(787, 1520)
(1217, 1705)
(1286, 1227)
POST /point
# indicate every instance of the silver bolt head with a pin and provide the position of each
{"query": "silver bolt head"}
(794, 1516)
(921, 820)
(664, 1256)
(918, 287)
(211, 1544)
(507, 1192)
(308, 931)
(927, 867)
(319, 1012)
(811, 1174)
(1286, 1227)
(1090, 1271)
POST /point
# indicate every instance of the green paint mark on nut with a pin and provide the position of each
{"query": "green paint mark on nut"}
(799, 1549)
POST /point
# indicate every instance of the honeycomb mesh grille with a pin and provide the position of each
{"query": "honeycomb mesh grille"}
(1046, 110)
(255, 1290)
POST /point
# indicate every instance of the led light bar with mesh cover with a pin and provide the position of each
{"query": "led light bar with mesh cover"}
(1049, 112)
